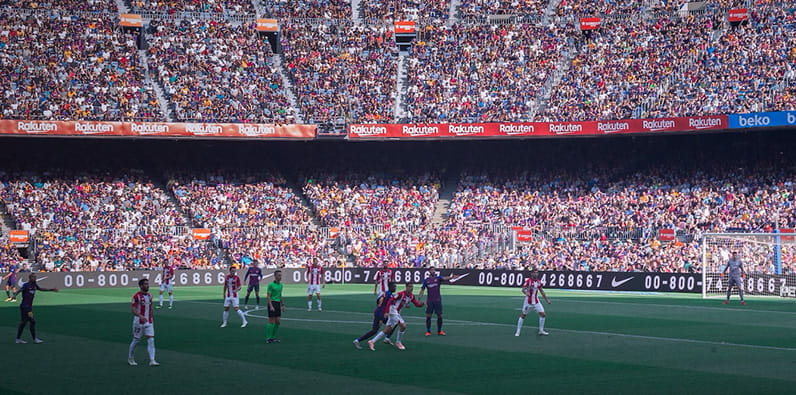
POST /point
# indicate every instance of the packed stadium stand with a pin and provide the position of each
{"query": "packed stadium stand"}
(588, 205)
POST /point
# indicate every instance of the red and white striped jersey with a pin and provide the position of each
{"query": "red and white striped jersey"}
(168, 275)
(382, 278)
(399, 300)
(533, 287)
(314, 275)
(231, 285)
(142, 303)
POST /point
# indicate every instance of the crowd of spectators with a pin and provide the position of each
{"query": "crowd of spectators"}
(226, 7)
(215, 71)
(342, 72)
(612, 77)
(86, 6)
(381, 218)
(481, 72)
(309, 9)
(97, 221)
(745, 70)
(483, 8)
(407, 10)
(256, 217)
(55, 67)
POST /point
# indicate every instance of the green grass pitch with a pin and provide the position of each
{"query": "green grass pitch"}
(601, 343)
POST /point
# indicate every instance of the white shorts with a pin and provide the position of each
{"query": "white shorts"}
(147, 329)
(231, 301)
(394, 319)
(166, 287)
(526, 307)
(313, 289)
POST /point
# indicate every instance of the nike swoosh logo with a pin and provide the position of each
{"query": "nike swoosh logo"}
(453, 280)
(268, 275)
(615, 283)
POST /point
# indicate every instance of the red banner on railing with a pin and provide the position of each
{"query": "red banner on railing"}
(404, 27)
(589, 23)
(164, 129)
(738, 15)
(788, 231)
(666, 234)
(201, 233)
(536, 129)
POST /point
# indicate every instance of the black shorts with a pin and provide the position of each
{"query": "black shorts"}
(277, 311)
(255, 287)
(434, 307)
(26, 314)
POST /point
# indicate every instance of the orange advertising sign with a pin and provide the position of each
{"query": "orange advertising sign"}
(18, 236)
(404, 27)
(267, 25)
(131, 20)
(201, 233)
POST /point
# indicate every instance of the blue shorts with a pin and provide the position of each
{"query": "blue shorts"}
(26, 313)
(434, 307)
(255, 287)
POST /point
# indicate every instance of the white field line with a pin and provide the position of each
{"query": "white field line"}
(478, 323)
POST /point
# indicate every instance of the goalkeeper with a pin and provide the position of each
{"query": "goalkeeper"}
(735, 266)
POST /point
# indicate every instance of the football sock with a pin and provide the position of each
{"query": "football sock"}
(378, 337)
(520, 321)
(33, 329)
(242, 317)
(399, 336)
(268, 330)
(246, 300)
(541, 323)
(226, 315)
(171, 300)
(131, 353)
(258, 300)
(319, 304)
(740, 293)
(20, 329)
(275, 330)
(161, 299)
(150, 347)
(309, 304)
(8, 294)
(428, 324)
(439, 324)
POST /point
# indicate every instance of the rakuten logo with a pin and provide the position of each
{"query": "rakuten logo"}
(415, 131)
(149, 128)
(791, 118)
(512, 129)
(753, 120)
(704, 123)
(37, 127)
(362, 130)
(612, 127)
(465, 130)
(256, 130)
(565, 128)
(195, 128)
(655, 125)
(93, 128)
